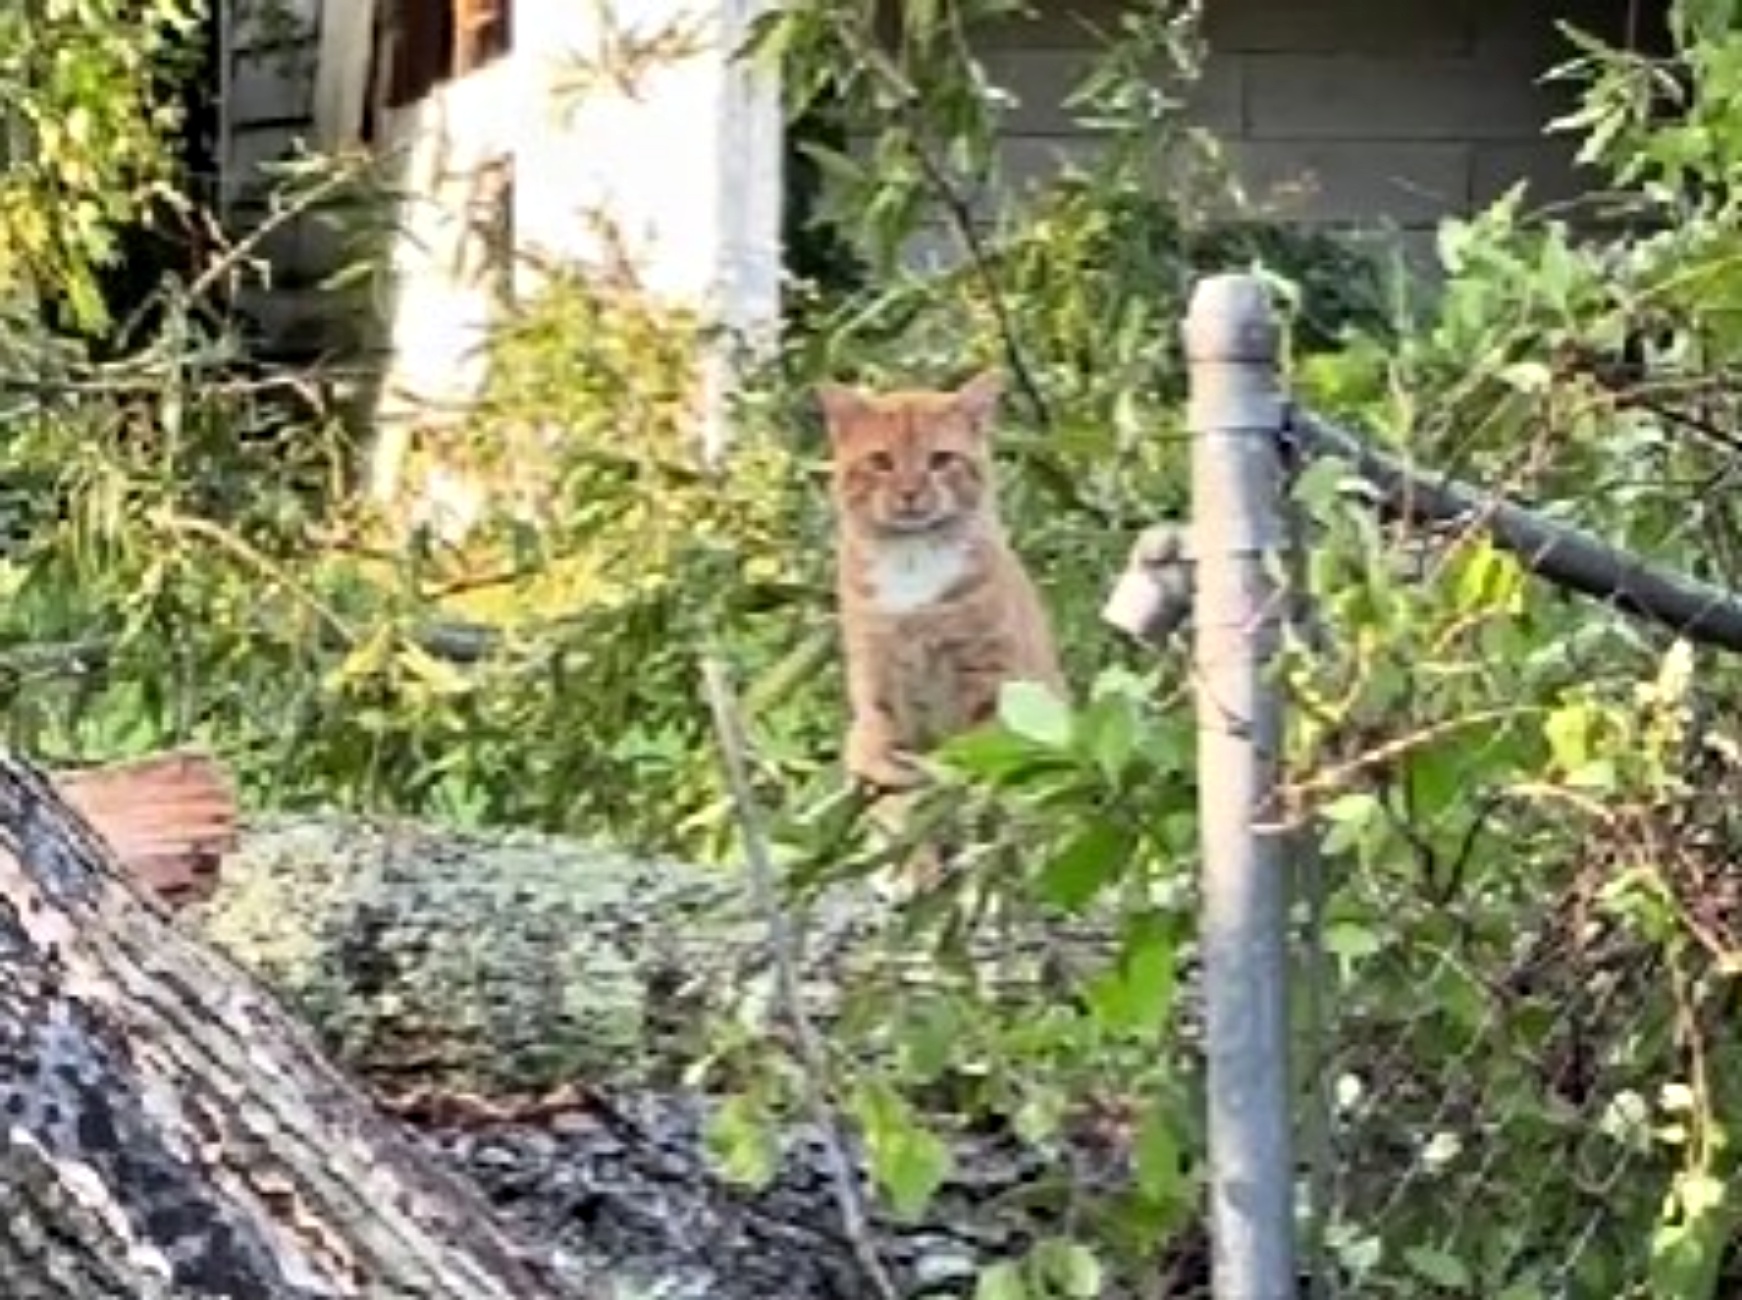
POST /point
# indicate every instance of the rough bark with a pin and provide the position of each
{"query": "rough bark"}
(507, 963)
(171, 1133)
(499, 962)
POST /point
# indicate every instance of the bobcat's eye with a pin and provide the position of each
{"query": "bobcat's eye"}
(941, 460)
(881, 461)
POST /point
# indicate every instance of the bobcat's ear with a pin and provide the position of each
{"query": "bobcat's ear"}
(978, 398)
(840, 405)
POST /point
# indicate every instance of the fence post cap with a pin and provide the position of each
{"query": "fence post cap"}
(1230, 319)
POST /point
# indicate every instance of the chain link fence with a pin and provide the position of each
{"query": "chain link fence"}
(1513, 913)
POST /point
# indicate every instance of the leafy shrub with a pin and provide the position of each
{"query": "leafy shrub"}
(1527, 936)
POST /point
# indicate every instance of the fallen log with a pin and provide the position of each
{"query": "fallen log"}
(508, 963)
(174, 1135)
(171, 1132)
(488, 963)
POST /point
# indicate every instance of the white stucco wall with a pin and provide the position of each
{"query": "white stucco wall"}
(631, 138)
(684, 162)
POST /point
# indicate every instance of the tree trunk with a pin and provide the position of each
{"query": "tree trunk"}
(506, 963)
(170, 1132)
(495, 963)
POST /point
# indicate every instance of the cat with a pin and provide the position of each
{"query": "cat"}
(937, 611)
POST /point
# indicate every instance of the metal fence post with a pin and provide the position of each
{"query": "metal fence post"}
(1235, 414)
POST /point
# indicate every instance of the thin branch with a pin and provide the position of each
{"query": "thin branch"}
(110, 381)
(1621, 387)
(813, 1056)
(264, 566)
(299, 205)
(960, 213)
(1335, 777)
(463, 644)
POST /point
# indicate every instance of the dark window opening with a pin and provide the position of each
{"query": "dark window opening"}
(423, 43)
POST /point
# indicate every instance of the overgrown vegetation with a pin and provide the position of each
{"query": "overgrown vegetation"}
(1529, 926)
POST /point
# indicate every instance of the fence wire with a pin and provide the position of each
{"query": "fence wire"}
(1512, 737)
(1524, 943)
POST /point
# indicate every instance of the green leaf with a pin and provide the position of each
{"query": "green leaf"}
(1136, 995)
(1079, 871)
(1319, 487)
(1523, 1291)
(1070, 1267)
(1171, 744)
(1158, 1157)
(1351, 817)
(911, 1167)
(1002, 1281)
(1035, 713)
(1527, 376)
(1349, 942)
(1002, 757)
(1598, 775)
(1568, 731)
(741, 1143)
(843, 168)
(1489, 580)
(1439, 1267)
(929, 1038)
(1438, 780)
(438, 676)
(908, 1162)
(1108, 731)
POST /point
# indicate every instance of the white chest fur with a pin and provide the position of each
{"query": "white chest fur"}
(908, 573)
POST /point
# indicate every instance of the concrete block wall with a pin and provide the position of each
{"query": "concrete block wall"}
(268, 71)
(269, 54)
(268, 92)
(1336, 112)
